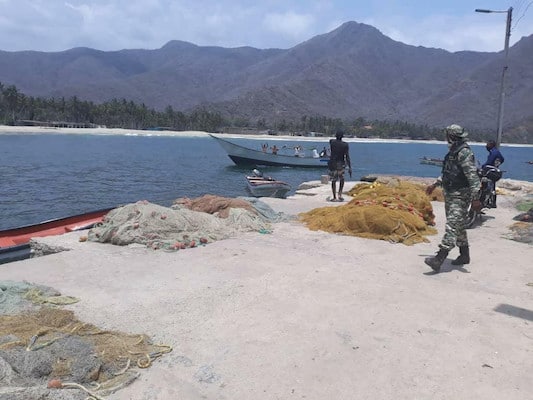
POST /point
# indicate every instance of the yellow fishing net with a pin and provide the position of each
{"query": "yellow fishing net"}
(397, 211)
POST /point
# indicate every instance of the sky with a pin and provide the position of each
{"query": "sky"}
(57, 25)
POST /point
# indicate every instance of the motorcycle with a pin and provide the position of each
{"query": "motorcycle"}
(488, 175)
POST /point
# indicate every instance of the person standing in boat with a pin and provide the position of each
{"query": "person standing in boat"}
(298, 152)
(274, 149)
(339, 160)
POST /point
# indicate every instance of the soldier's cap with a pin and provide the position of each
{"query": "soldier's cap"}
(456, 130)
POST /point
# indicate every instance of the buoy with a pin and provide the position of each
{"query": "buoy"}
(55, 384)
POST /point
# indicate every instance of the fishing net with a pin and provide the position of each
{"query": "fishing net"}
(525, 216)
(521, 231)
(526, 205)
(216, 205)
(267, 212)
(396, 195)
(45, 342)
(180, 226)
(399, 212)
(418, 182)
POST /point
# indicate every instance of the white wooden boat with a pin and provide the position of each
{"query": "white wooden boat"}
(241, 155)
(266, 186)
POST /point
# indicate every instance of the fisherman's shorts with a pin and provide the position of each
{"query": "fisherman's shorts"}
(337, 173)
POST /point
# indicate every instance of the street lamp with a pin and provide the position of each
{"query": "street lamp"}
(505, 66)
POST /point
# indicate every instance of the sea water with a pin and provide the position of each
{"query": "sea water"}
(46, 176)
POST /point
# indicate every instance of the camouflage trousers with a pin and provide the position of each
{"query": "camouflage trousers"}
(456, 207)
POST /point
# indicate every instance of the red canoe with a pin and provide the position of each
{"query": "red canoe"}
(14, 242)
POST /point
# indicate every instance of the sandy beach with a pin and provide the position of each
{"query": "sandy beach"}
(32, 130)
(311, 315)
(29, 130)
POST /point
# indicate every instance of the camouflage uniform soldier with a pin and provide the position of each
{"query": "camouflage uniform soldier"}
(460, 183)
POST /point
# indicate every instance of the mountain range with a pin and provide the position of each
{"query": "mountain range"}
(353, 71)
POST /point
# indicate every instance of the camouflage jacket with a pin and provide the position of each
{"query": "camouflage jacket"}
(459, 172)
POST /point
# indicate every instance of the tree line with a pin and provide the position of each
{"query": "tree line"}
(16, 107)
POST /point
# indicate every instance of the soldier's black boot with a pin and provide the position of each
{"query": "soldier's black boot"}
(436, 262)
(464, 256)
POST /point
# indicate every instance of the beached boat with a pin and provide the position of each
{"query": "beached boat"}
(266, 186)
(432, 161)
(14, 243)
(241, 155)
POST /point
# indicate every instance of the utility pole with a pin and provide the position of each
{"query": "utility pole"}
(505, 67)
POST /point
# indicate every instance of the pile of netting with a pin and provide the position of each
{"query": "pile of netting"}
(522, 231)
(188, 223)
(45, 346)
(396, 211)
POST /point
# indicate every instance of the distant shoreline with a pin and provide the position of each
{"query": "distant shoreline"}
(35, 130)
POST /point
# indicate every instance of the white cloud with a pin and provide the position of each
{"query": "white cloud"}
(85, 11)
(453, 33)
(54, 25)
(289, 24)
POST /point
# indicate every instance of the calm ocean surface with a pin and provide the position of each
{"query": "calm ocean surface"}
(45, 176)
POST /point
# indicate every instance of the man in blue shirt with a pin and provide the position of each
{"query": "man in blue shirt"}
(495, 157)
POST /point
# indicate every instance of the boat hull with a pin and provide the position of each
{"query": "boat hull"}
(14, 243)
(243, 156)
(267, 187)
(275, 190)
(431, 161)
(15, 253)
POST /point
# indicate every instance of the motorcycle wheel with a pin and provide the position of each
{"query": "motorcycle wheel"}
(471, 218)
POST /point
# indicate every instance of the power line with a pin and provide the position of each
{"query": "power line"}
(524, 13)
(519, 5)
